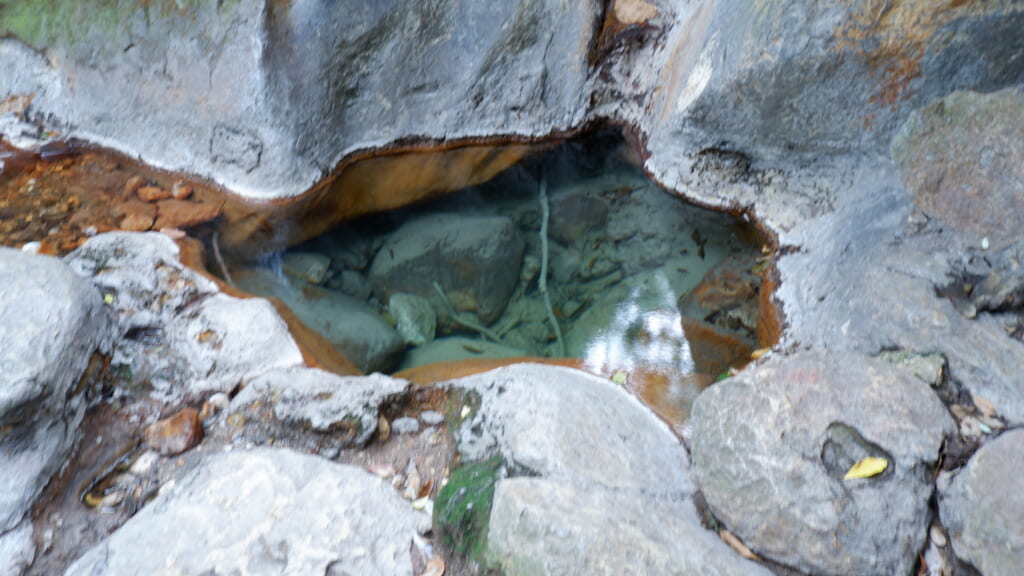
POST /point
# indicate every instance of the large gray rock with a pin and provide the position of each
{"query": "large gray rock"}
(292, 88)
(181, 335)
(563, 423)
(265, 511)
(983, 508)
(961, 158)
(595, 482)
(355, 329)
(541, 526)
(52, 324)
(771, 447)
(787, 78)
(342, 412)
(474, 259)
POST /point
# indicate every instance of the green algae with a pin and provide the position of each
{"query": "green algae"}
(463, 507)
(46, 23)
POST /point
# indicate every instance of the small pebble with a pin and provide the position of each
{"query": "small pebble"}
(938, 537)
(176, 434)
(181, 191)
(144, 463)
(152, 194)
(431, 418)
(405, 425)
(133, 184)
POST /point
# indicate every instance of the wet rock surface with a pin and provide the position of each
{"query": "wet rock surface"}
(582, 458)
(253, 511)
(772, 445)
(983, 507)
(54, 330)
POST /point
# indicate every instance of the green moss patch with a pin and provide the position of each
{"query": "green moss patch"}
(463, 507)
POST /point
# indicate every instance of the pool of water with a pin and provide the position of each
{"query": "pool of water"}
(655, 293)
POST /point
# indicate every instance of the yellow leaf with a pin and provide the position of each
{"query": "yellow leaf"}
(108, 298)
(867, 468)
(619, 377)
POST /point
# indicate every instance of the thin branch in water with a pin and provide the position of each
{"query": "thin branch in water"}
(220, 260)
(464, 322)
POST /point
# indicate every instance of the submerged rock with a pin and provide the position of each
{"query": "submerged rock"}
(355, 329)
(264, 511)
(772, 445)
(54, 330)
(983, 507)
(415, 318)
(474, 260)
(572, 459)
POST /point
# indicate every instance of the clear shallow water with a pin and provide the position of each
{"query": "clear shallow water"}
(625, 262)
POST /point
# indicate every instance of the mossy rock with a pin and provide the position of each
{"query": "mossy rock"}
(463, 507)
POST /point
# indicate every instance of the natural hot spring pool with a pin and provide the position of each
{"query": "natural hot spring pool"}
(655, 293)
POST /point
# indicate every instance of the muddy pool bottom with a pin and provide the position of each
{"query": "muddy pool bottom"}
(573, 254)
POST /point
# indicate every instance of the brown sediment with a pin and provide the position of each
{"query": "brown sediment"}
(365, 184)
(769, 315)
(317, 351)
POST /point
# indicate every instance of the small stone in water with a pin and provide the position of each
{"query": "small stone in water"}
(176, 434)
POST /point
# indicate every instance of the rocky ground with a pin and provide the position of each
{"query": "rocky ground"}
(879, 144)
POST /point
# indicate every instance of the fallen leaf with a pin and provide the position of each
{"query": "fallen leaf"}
(866, 468)
(619, 377)
(737, 545)
(108, 298)
(759, 352)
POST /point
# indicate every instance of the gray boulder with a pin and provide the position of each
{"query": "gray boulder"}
(342, 412)
(53, 328)
(592, 480)
(180, 334)
(771, 447)
(281, 100)
(265, 511)
(983, 508)
(355, 329)
(474, 259)
(541, 526)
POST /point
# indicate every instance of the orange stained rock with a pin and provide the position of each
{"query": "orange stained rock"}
(769, 315)
(372, 183)
(894, 36)
(174, 435)
(713, 349)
